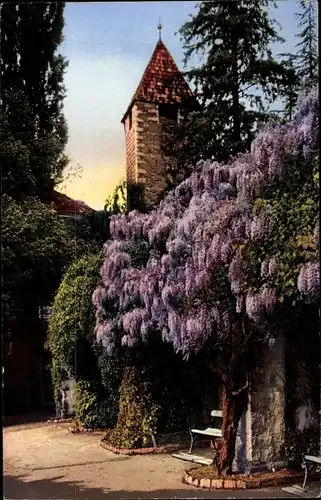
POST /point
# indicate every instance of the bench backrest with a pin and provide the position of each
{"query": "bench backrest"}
(217, 413)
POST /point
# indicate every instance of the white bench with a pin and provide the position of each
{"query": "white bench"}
(212, 432)
(313, 461)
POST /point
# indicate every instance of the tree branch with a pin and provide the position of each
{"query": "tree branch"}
(217, 370)
(246, 337)
(242, 389)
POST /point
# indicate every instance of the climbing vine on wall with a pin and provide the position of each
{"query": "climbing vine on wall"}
(75, 353)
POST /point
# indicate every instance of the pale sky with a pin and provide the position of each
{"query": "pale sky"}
(108, 46)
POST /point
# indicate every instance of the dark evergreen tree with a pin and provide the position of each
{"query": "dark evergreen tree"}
(303, 64)
(32, 94)
(236, 81)
(307, 54)
(291, 90)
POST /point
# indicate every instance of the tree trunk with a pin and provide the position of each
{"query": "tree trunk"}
(232, 406)
(236, 134)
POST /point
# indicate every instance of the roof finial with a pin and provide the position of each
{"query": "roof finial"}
(159, 27)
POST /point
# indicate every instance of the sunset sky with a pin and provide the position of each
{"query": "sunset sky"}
(108, 46)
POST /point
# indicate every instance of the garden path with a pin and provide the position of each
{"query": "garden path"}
(43, 460)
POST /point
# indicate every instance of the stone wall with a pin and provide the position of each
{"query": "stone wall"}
(150, 159)
(146, 162)
(282, 420)
(261, 432)
(65, 404)
(268, 407)
(130, 126)
(169, 162)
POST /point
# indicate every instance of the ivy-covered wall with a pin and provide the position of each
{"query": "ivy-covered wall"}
(76, 357)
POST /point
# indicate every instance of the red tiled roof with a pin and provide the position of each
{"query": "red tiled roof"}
(162, 81)
(67, 206)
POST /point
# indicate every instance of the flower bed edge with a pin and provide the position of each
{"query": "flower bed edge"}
(139, 451)
(243, 483)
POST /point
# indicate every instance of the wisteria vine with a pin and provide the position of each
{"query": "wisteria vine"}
(197, 231)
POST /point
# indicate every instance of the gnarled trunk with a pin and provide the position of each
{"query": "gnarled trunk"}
(234, 370)
(232, 404)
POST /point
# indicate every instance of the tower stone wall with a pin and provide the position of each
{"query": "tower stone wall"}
(150, 159)
(130, 127)
(146, 161)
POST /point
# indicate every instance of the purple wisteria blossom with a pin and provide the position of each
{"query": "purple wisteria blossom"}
(309, 279)
(198, 230)
(273, 267)
(254, 306)
(265, 268)
(237, 274)
(268, 298)
(258, 228)
(316, 234)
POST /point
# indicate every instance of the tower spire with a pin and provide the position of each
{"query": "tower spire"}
(159, 27)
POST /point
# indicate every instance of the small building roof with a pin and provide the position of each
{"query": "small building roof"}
(67, 206)
(162, 81)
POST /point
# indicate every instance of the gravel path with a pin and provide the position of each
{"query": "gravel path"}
(44, 461)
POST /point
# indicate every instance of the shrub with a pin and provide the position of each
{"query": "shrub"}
(86, 404)
(138, 412)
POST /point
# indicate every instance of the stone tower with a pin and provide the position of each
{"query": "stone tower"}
(161, 93)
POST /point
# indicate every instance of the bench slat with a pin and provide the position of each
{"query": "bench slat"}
(217, 413)
(208, 432)
(311, 458)
(193, 458)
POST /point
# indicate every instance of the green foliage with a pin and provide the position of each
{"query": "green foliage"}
(292, 211)
(110, 375)
(36, 248)
(74, 350)
(117, 201)
(72, 320)
(231, 41)
(183, 389)
(138, 413)
(32, 93)
(304, 63)
(307, 58)
(139, 253)
(18, 179)
(290, 91)
(99, 223)
(135, 198)
(86, 404)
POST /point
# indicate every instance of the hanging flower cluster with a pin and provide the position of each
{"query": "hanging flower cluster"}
(194, 232)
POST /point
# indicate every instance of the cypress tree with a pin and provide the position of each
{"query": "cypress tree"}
(32, 94)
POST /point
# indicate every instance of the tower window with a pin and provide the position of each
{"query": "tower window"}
(168, 111)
